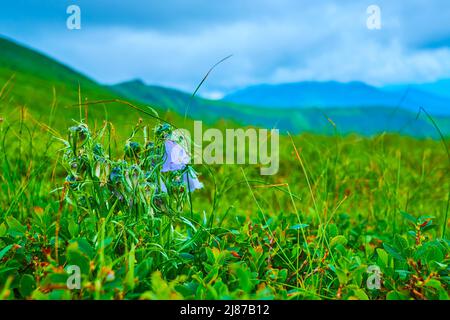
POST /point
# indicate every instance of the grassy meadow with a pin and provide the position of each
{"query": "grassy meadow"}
(78, 186)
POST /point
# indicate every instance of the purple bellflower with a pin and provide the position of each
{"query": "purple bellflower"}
(176, 158)
(191, 180)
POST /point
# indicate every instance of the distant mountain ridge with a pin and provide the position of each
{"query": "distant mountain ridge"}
(366, 120)
(334, 94)
(439, 88)
(37, 82)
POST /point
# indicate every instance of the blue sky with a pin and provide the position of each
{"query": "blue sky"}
(174, 42)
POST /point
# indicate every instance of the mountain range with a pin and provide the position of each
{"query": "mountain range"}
(435, 97)
(36, 81)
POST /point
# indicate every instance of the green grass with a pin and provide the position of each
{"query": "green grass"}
(310, 231)
(339, 204)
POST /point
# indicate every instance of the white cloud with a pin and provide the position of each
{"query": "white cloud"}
(291, 41)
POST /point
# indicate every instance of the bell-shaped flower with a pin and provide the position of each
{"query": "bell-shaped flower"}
(191, 180)
(175, 158)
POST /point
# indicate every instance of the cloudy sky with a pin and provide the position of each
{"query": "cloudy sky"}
(174, 42)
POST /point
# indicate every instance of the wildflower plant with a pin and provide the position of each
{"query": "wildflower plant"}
(153, 177)
(138, 199)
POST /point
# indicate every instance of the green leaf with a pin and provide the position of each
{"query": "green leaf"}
(412, 234)
(73, 228)
(433, 283)
(282, 275)
(342, 276)
(446, 279)
(27, 285)
(186, 256)
(84, 247)
(245, 278)
(443, 295)
(397, 295)
(393, 252)
(434, 254)
(403, 273)
(429, 226)
(332, 230)
(78, 258)
(210, 254)
(129, 278)
(16, 229)
(338, 240)
(5, 251)
(361, 295)
(400, 243)
(424, 218)
(212, 274)
(409, 217)
(3, 230)
(383, 256)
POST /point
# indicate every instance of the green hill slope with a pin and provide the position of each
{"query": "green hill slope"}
(35, 74)
(37, 83)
